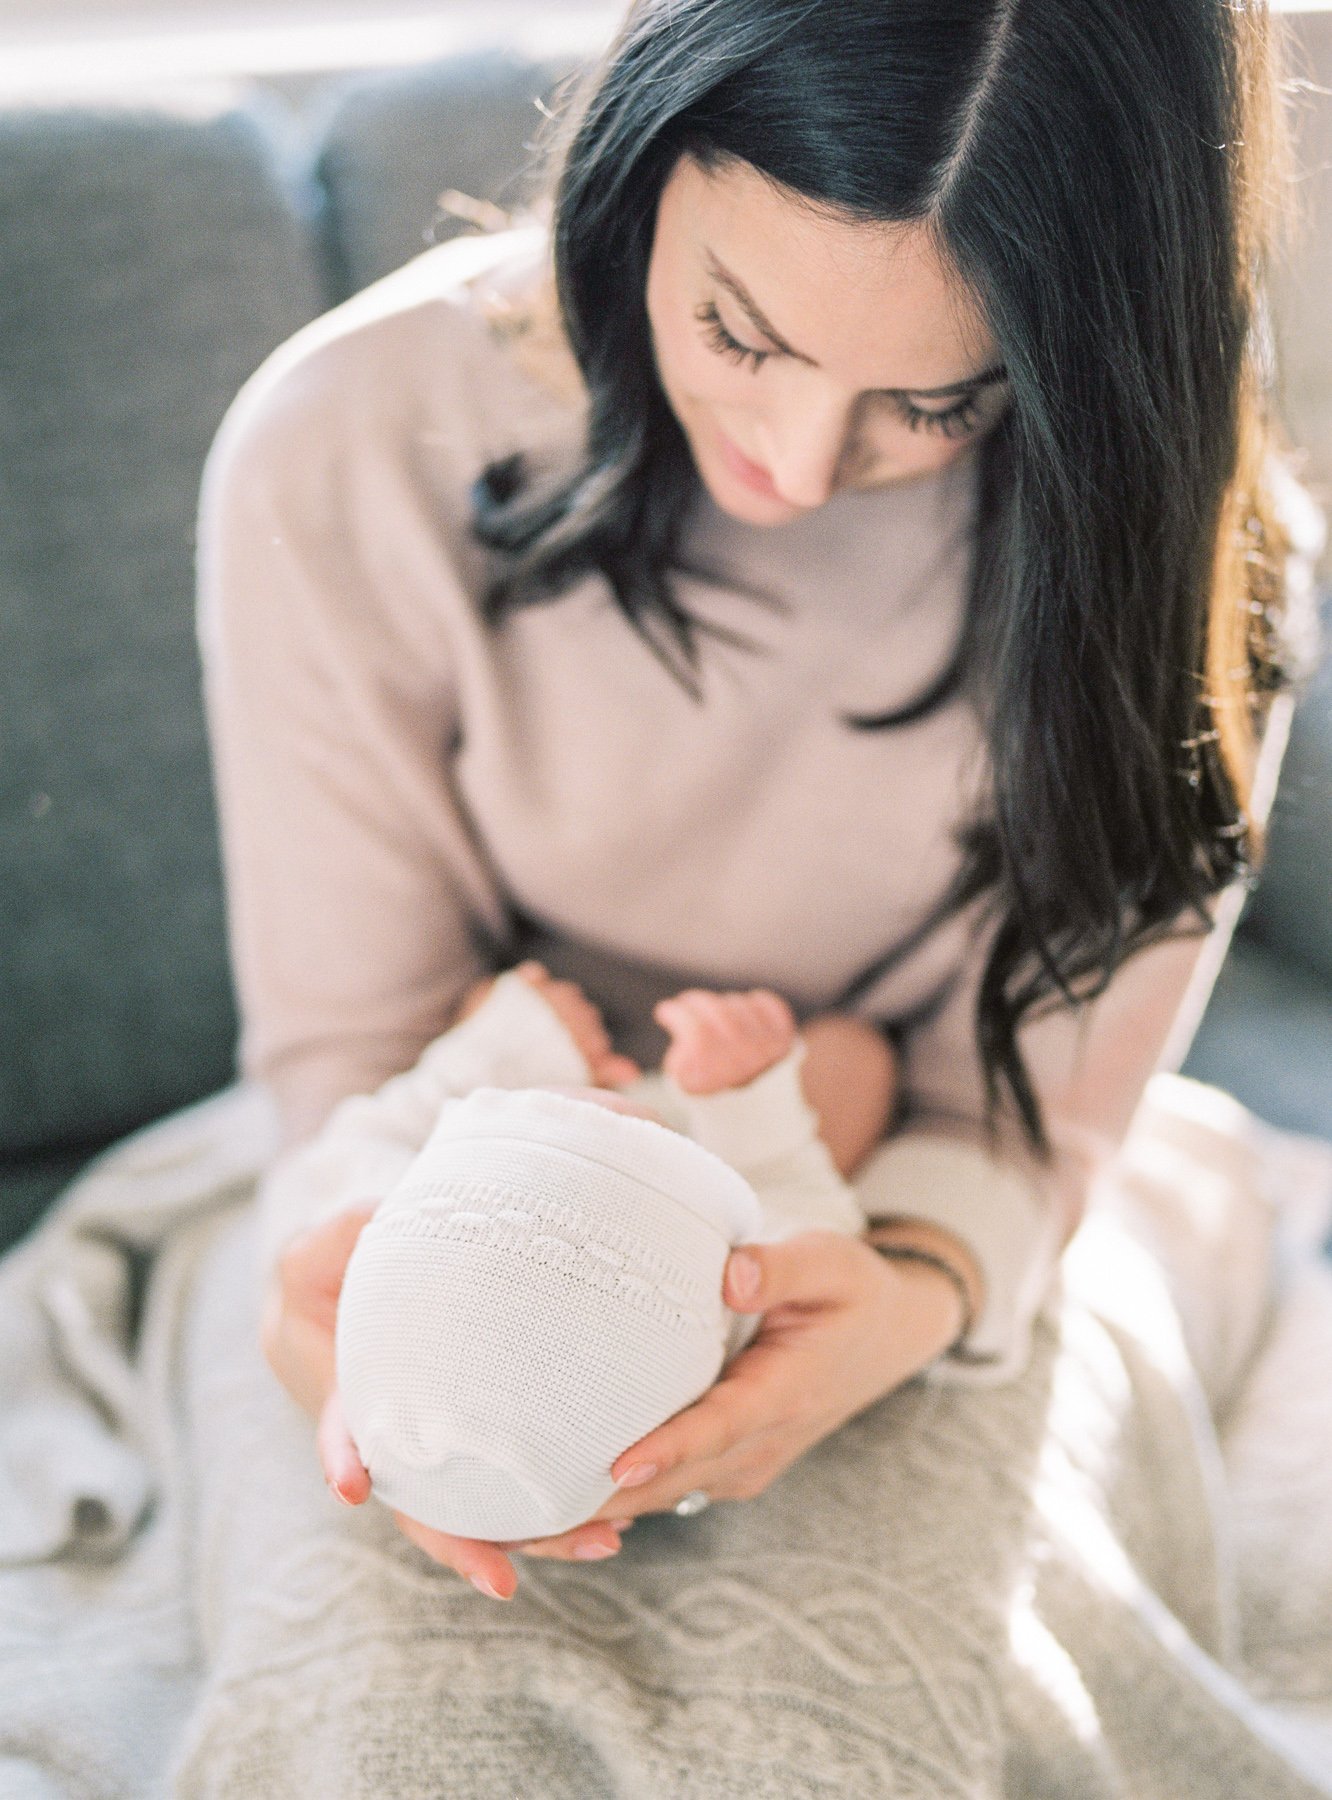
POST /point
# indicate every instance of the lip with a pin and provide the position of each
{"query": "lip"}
(751, 473)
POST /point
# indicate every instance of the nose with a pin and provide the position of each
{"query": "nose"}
(808, 446)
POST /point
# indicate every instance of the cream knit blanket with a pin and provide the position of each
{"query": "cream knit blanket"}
(1111, 1578)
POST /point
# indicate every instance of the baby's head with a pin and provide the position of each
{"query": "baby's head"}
(541, 1288)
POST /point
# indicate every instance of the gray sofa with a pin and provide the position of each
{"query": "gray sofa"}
(150, 257)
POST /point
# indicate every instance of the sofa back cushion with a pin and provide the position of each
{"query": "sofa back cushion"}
(1292, 909)
(149, 260)
(391, 144)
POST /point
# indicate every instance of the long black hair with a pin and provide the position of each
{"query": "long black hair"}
(1098, 172)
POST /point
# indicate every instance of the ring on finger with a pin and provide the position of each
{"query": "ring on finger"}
(697, 1500)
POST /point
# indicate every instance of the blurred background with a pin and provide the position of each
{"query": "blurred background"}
(183, 183)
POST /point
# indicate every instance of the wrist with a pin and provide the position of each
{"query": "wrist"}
(943, 1275)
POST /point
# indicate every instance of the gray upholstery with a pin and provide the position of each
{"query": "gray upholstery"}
(391, 144)
(1292, 910)
(148, 261)
(1267, 1037)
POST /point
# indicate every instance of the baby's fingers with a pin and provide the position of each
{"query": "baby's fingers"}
(484, 1565)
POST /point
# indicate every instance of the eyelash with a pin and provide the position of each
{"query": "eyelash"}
(956, 422)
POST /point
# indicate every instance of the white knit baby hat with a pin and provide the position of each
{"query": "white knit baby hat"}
(541, 1288)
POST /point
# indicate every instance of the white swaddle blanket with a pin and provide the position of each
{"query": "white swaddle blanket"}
(1136, 1605)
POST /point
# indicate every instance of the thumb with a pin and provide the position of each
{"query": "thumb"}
(313, 1264)
(808, 1269)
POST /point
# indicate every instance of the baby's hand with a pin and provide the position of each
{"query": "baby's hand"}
(723, 1040)
(580, 1018)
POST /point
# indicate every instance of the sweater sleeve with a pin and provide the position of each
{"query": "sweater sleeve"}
(1015, 1213)
(1089, 1066)
(512, 1040)
(356, 894)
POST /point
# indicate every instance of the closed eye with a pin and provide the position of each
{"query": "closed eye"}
(956, 421)
(722, 341)
(959, 419)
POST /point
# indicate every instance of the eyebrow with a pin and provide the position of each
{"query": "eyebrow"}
(734, 285)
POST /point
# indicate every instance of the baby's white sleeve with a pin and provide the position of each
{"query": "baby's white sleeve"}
(768, 1132)
(514, 1039)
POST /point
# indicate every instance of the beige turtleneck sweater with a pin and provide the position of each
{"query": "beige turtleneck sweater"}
(409, 797)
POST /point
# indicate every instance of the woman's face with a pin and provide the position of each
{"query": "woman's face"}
(872, 364)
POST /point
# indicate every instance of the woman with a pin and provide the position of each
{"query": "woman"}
(879, 598)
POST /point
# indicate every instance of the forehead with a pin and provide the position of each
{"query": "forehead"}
(873, 304)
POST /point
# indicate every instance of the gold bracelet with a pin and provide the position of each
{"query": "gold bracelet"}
(909, 1253)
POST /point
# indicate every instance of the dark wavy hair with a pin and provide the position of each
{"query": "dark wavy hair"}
(1101, 175)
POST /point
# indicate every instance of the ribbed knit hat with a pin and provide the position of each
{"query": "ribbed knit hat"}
(541, 1288)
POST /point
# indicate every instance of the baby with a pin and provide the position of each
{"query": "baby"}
(541, 1284)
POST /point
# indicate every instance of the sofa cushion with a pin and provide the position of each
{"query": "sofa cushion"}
(392, 143)
(1291, 911)
(1267, 1037)
(149, 260)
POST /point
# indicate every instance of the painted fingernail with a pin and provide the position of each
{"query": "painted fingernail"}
(594, 1552)
(636, 1475)
(744, 1273)
(484, 1585)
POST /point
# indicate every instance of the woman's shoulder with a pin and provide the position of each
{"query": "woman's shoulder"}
(462, 345)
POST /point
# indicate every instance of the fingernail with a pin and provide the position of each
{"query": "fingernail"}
(594, 1552)
(621, 1524)
(338, 1494)
(484, 1585)
(744, 1272)
(636, 1475)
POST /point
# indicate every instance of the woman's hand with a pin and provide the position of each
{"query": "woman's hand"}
(842, 1327)
(298, 1339)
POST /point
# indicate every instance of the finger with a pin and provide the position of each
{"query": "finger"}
(774, 1008)
(339, 1458)
(322, 1250)
(484, 1565)
(812, 1269)
(571, 995)
(747, 1400)
(717, 1011)
(697, 1002)
(617, 1069)
(588, 1543)
(313, 1264)
(758, 1025)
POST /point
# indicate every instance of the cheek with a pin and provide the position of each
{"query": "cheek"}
(930, 450)
(698, 376)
